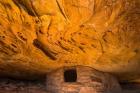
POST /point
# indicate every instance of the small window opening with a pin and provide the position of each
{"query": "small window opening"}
(70, 75)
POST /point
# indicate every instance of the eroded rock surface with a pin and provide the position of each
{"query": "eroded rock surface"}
(20, 86)
(39, 36)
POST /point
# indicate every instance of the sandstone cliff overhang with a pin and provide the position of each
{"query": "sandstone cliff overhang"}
(39, 36)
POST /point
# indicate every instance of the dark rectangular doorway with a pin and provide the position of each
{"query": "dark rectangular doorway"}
(70, 75)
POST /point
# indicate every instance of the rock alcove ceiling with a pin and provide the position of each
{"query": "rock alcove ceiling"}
(40, 36)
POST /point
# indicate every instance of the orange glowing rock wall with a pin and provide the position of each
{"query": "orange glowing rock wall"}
(39, 36)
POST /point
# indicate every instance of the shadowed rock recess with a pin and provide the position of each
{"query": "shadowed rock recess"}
(39, 37)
